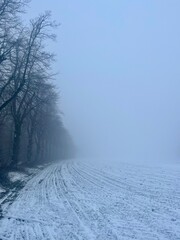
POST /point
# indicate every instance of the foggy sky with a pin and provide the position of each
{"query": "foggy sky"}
(119, 64)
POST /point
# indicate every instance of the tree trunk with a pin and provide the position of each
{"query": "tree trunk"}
(16, 145)
(38, 150)
(30, 145)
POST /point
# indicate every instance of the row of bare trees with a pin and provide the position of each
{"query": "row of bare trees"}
(31, 129)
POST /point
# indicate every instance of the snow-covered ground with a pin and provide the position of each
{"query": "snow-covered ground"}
(77, 201)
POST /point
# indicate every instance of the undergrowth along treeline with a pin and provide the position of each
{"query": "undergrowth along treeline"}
(31, 128)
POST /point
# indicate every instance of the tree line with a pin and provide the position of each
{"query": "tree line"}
(31, 128)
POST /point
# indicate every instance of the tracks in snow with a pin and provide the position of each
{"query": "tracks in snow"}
(78, 202)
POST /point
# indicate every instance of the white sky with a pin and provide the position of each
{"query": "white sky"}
(119, 64)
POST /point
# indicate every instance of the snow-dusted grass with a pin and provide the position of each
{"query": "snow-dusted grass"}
(2, 190)
(78, 201)
(11, 182)
(16, 176)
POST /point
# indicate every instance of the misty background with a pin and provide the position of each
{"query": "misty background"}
(118, 64)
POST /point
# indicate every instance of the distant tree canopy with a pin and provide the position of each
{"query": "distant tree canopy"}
(31, 128)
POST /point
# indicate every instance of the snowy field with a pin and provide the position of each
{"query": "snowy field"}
(77, 201)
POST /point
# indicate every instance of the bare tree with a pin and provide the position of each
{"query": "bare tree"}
(27, 52)
(9, 24)
(44, 96)
(28, 100)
